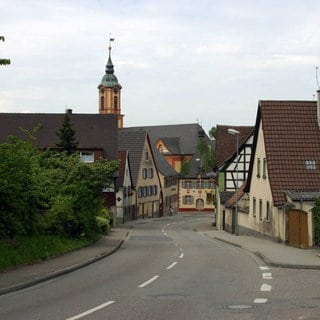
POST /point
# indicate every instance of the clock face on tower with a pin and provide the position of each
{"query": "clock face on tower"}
(115, 90)
(102, 90)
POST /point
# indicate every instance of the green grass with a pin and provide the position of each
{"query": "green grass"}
(27, 250)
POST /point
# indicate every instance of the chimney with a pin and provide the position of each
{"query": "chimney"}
(69, 111)
(318, 106)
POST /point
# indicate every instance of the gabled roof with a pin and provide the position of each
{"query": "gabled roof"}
(123, 155)
(291, 136)
(92, 131)
(133, 141)
(226, 146)
(187, 133)
(173, 144)
(162, 164)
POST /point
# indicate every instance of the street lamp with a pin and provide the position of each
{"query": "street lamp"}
(200, 190)
(236, 133)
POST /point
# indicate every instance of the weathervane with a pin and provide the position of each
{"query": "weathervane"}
(110, 40)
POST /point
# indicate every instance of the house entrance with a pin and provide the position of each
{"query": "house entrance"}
(199, 204)
(298, 228)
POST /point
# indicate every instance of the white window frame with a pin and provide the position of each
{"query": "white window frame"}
(87, 156)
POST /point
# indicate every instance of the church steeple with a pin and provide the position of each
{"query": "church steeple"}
(110, 91)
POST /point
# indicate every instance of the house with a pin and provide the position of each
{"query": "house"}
(232, 165)
(145, 178)
(178, 145)
(125, 203)
(168, 181)
(284, 175)
(97, 135)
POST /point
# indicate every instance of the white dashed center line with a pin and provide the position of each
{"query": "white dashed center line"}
(84, 314)
(172, 265)
(260, 300)
(148, 282)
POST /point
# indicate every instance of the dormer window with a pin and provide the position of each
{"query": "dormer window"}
(310, 164)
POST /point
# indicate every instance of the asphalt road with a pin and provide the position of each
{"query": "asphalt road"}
(167, 270)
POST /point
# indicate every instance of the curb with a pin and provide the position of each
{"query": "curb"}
(63, 271)
(269, 262)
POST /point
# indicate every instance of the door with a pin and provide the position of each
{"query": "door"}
(298, 229)
(199, 204)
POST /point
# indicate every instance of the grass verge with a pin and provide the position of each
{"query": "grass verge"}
(27, 250)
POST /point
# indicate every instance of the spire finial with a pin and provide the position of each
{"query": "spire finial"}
(110, 40)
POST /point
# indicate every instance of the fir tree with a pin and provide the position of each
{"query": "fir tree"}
(66, 134)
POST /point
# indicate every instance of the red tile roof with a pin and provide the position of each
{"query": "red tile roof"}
(226, 146)
(292, 137)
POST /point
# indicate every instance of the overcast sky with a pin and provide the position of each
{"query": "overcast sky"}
(203, 61)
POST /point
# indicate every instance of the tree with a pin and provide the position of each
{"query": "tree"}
(316, 220)
(4, 61)
(213, 132)
(17, 188)
(67, 136)
(207, 155)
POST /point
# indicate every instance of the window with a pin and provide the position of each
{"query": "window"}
(259, 168)
(87, 156)
(102, 103)
(147, 155)
(264, 170)
(260, 209)
(150, 191)
(155, 190)
(140, 192)
(254, 207)
(310, 164)
(187, 199)
(186, 184)
(150, 173)
(144, 173)
(115, 100)
(268, 211)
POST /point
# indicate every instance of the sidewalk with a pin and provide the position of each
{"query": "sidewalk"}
(30, 275)
(272, 253)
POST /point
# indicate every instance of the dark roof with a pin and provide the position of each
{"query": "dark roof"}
(236, 195)
(291, 137)
(92, 131)
(303, 195)
(162, 164)
(226, 143)
(188, 135)
(122, 167)
(173, 144)
(133, 141)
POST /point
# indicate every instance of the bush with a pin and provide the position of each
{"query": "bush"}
(49, 192)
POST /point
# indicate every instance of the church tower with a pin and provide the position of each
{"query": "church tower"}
(110, 92)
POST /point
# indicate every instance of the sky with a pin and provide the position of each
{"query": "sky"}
(204, 61)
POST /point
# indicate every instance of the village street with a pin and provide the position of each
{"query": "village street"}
(171, 268)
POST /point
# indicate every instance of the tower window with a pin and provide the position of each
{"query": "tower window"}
(116, 103)
(102, 103)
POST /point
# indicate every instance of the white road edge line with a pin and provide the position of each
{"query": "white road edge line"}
(265, 287)
(148, 282)
(172, 265)
(181, 256)
(260, 300)
(83, 314)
